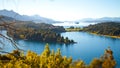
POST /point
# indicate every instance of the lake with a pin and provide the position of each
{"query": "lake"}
(79, 24)
(88, 46)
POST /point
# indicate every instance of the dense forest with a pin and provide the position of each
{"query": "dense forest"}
(39, 26)
(51, 59)
(38, 32)
(105, 28)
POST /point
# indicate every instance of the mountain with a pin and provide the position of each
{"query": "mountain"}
(6, 19)
(104, 19)
(35, 18)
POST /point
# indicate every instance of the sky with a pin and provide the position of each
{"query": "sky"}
(64, 10)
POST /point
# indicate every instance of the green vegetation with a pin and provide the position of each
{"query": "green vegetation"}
(38, 26)
(43, 36)
(50, 59)
(38, 32)
(110, 29)
(73, 29)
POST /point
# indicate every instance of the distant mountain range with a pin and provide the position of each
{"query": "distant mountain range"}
(11, 15)
(103, 19)
(35, 18)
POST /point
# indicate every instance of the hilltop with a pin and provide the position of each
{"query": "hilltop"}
(105, 28)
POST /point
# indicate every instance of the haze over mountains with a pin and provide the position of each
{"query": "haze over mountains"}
(11, 15)
(103, 19)
(35, 18)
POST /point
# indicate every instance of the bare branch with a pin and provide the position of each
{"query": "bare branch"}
(13, 42)
(10, 27)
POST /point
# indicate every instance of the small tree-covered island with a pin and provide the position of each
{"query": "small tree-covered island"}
(39, 32)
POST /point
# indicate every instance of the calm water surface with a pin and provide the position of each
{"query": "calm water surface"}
(88, 46)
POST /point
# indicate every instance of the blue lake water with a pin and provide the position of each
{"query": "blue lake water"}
(88, 46)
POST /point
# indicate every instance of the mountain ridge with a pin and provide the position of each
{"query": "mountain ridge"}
(17, 16)
(98, 20)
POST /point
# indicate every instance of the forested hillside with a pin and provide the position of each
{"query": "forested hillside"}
(106, 28)
(38, 26)
(29, 24)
